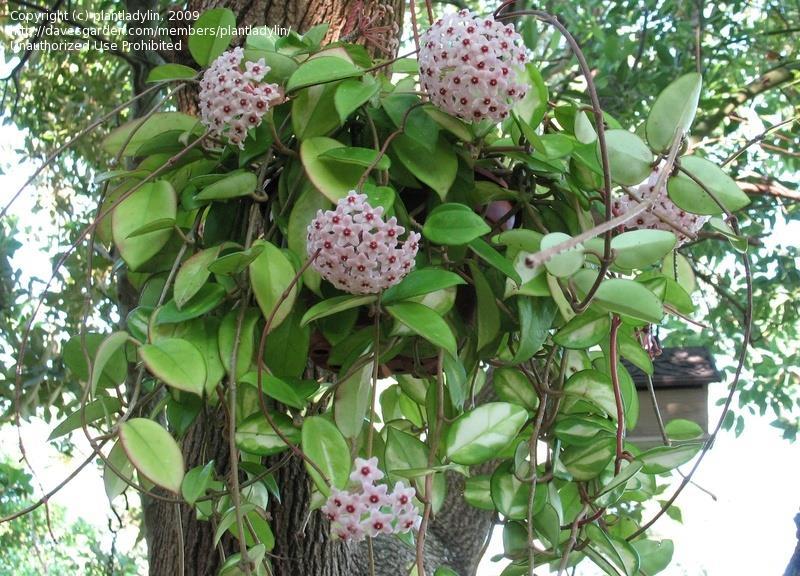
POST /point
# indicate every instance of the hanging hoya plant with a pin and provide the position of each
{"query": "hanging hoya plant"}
(390, 293)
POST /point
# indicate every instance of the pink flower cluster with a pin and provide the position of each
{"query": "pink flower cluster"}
(665, 209)
(368, 509)
(356, 250)
(471, 66)
(233, 100)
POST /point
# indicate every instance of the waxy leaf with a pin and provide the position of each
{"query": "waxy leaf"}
(271, 273)
(321, 70)
(638, 248)
(353, 93)
(176, 362)
(587, 461)
(153, 201)
(595, 387)
(153, 452)
(566, 263)
(100, 408)
(167, 72)
(477, 435)
(231, 186)
(689, 195)
(629, 158)
(256, 436)
(664, 458)
(420, 282)
(326, 447)
(673, 111)
(425, 323)
(584, 330)
(333, 179)
(454, 224)
(334, 306)
(211, 35)
(113, 483)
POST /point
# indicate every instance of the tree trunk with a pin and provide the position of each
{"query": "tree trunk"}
(303, 546)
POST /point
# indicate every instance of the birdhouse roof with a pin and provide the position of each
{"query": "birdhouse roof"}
(690, 367)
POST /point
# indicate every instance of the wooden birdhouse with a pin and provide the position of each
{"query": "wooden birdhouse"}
(680, 380)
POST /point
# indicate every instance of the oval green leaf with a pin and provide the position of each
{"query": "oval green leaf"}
(479, 434)
(153, 452)
(673, 111)
(176, 362)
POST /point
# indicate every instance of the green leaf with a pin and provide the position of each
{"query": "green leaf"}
(327, 448)
(235, 262)
(286, 351)
(153, 201)
(581, 429)
(321, 70)
(108, 351)
(115, 370)
(203, 334)
(488, 314)
(595, 387)
(436, 167)
(629, 158)
(420, 282)
(160, 224)
(196, 482)
(532, 108)
(664, 458)
(153, 452)
(256, 436)
(638, 248)
(425, 323)
(690, 196)
(477, 492)
(351, 94)
(622, 296)
(655, 555)
(135, 133)
(673, 110)
(192, 275)
(334, 180)
(211, 35)
(232, 186)
(584, 330)
(587, 461)
(271, 273)
(365, 157)
(460, 129)
(176, 362)
(102, 407)
(334, 306)
(167, 72)
(230, 334)
(513, 386)
(566, 263)
(681, 429)
(584, 131)
(114, 484)
(535, 318)
(277, 388)
(477, 435)
(629, 470)
(207, 298)
(511, 496)
(618, 551)
(495, 259)
(453, 225)
(351, 401)
(313, 112)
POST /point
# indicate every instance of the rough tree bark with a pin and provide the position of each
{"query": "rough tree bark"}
(303, 548)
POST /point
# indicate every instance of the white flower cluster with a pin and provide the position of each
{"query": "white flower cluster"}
(663, 205)
(233, 100)
(471, 66)
(356, 250)
(369, 510)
